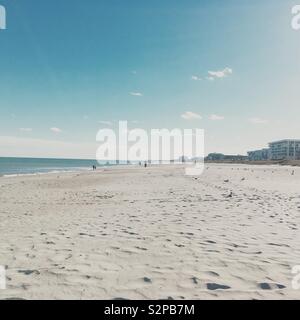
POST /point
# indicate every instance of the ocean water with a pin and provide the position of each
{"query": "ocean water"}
(18, 166)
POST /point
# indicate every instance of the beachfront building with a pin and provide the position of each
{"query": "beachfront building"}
(225, 157)
(259, 155)
(215, 157)
(285, 150)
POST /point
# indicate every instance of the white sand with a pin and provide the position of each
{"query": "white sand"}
(152, 233)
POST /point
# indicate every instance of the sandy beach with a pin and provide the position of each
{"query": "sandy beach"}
(136, 233)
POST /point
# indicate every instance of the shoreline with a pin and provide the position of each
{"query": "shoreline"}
(283, 163)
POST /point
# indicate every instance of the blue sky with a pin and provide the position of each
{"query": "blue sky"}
(66, 66)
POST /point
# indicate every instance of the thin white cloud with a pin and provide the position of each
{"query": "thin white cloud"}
(220, 73)
(215, 117)
(196, 78)
(106, 123)
(134, 72)
(85, 117)
(56, 130)
(25, 129)
(258, 121)
(136, 94)
(189, 115)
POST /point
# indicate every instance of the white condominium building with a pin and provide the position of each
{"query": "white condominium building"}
(285, 149)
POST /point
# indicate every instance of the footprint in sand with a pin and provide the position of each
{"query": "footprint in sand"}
(29, 272)
(270, 286)
(216, 286)
(147, 280)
